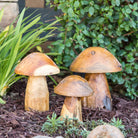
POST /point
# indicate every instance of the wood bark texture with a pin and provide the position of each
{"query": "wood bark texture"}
(39, 65)
(101, 97)
(72, 108)
(37, 94)
(95, 60)
(73, 86)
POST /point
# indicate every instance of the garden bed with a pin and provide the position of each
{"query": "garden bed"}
(15, 122)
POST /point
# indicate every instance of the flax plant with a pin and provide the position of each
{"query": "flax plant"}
(15, 42)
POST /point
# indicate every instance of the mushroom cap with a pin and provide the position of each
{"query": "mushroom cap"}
(37, 64)
(95, 60)
(105, 131)
(73, 85)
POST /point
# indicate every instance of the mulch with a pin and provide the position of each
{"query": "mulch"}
(15, 122)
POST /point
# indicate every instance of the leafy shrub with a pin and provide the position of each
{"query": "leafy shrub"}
(15, 43)
(110, 24)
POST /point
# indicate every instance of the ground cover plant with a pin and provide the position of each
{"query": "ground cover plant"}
(74, 128)
(109, 24)
(15, 42)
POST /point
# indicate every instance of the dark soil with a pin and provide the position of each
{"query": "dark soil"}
(15, 122)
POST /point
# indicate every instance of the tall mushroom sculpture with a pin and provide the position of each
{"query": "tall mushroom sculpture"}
(95, 62)
(37, 65)
(73, 87)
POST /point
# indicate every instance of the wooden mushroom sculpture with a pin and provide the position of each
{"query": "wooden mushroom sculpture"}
(105, 131)
(73, 87)
(37, 65)
(95, 62)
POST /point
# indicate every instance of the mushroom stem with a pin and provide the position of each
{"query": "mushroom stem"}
(101, 97)
(37, 94)
(72, 108)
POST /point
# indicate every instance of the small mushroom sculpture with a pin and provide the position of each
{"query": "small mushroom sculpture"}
(37, 65)
(73, 87)
(105, 131)
(95, 62)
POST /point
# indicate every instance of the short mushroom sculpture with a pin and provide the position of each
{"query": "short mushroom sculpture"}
(105, 131)
(95, 62)
(37, 65)
(73, 87)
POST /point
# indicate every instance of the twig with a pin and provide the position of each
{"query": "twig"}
(128, 33)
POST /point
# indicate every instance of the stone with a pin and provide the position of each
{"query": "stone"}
(35, 3)
(10, 0)
(11, 11)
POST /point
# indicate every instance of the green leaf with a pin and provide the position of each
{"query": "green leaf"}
(18, 26)
(86, 32)
(101, 20)
(117, 2)
(128, 10)
(100, 36)
(113, 2)
(76, 4)
(127, 27)
(135, 6)
(120, 80)
(119, 39)
(91, 10)
(72, 53)
(70, 12)
(79, 37)
(1, 13)
(96, 6)
(135, 13)
(84, 2)
(13, 56)
(128, 69)
(82, 11)
(133, 24)
(61, 48)
(53, 79)
(2, 101)
(130, 58)
(68, 44)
